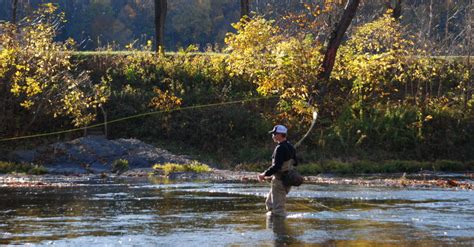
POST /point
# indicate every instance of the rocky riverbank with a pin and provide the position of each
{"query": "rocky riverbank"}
(95, 154)
(92, 158)
(459, 181)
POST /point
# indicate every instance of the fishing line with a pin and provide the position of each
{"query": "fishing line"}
(312, 202)
(137, 116)
(317, 203)
(313, 123)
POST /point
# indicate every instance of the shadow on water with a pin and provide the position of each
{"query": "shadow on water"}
(142, 211)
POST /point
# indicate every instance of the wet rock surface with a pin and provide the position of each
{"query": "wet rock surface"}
(95, 154)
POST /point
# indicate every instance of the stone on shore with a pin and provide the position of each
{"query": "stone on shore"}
(95, 154)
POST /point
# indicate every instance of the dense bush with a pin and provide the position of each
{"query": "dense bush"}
(120, 166)
(10, 167)
(142, 81)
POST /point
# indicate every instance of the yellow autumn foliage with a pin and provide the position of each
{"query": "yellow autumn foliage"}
(279, 65)
(38, 71)
(378, 65)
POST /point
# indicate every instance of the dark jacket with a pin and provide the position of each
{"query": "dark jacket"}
(284, 151)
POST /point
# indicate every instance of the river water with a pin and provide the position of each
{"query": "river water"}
(146, 211)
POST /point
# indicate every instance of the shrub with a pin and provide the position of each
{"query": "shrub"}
(37, 170)
(339, 167)
(169, 168)
(405, 166)
(469, 166)
(365, 166)
(120, 165)
(37, 71)
(199, 168)
(10, 167)
(448, 165)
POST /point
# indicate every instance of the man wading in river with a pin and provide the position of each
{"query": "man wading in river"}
(283, 159)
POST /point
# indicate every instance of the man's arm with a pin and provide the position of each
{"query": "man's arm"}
(277, 161)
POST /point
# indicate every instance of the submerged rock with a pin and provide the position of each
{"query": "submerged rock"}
(95, 154)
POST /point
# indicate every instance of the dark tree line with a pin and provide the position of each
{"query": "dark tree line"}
(161, 8)
(441, 25)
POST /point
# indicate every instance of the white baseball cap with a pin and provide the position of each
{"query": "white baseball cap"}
(280, 129)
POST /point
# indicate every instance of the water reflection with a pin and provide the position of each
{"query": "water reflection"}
(281, 229)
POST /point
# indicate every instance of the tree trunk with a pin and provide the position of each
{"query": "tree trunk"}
(446, 27)
(106, 129)
(397, 10)
(161, 7)
(14, 11)
(469, 88)
(430, 20)
(330, 57)
(336, 38)
(244, 8)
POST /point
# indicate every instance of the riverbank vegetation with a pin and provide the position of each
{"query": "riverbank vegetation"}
(387, 166)
(120, 166)
(14, 168)
(386, 100)
(359, 167)
(169, 168)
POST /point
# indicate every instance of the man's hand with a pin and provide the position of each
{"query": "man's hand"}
(261, 177)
